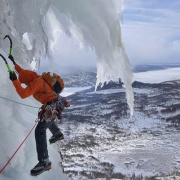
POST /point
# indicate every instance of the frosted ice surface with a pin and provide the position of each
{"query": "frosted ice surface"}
(36, 25)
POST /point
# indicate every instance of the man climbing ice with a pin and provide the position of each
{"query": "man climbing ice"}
(53, 105)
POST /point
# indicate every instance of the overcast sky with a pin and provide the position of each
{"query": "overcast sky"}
(150, 34)
(151, 31)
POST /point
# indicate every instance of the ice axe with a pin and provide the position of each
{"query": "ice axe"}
(10, 54)
(10, 50)
(9, 69)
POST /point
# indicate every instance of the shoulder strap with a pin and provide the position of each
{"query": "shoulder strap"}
(46, 92)
(45, 86)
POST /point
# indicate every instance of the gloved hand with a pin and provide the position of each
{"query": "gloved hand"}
(12, 59)
(12, 76)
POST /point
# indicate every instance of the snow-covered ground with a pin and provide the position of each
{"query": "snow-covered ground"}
(34, 37)
(12, 115)
(70, 91)
(136, 152)
(141, 151)
(106, 142)
(158, 76)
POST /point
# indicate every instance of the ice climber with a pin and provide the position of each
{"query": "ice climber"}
(38, 87)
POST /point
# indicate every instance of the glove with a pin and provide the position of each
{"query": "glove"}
(12, 76)
(12, 59)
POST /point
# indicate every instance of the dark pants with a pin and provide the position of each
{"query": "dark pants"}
(40, 137)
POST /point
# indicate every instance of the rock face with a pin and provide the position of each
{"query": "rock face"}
(102, 141)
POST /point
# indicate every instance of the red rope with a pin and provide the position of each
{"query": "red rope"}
(18, 148)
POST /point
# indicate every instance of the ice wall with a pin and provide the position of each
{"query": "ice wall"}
(95, 23)
(16, 121)
(36, 25)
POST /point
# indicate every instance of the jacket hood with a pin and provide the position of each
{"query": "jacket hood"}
(27, 76)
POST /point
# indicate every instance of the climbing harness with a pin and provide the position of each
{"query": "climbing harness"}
(52, 111)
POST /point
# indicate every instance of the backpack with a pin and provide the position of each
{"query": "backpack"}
(55, 82)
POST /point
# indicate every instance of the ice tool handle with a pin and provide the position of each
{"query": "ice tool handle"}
(10, 53)
(9, 69)
(10, 50)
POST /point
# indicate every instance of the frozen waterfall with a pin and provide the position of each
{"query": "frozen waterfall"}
(35, 27)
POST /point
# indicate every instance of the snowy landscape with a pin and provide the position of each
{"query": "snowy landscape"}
(40, 32)
(102, 141)
(123, 121)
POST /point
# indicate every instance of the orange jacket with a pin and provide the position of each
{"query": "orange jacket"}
(36, 86)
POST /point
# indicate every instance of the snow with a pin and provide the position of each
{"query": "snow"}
(110, 91)
(69, 91)
(30, 25)
(34, 27)
(158, 76)
(27, 41)
(17, 120)
(147, 146)
(93, 24)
